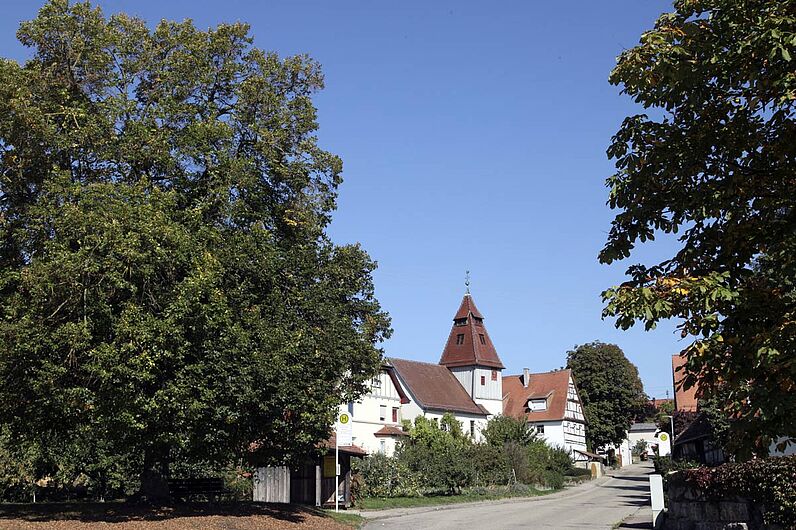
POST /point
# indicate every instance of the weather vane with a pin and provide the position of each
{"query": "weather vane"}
(467, 281)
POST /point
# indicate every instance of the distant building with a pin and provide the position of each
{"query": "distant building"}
(467, 382)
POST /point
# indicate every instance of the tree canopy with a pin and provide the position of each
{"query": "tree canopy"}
(610, 389)
(713, 162)
(168, 288)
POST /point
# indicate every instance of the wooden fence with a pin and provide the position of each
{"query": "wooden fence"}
(272, 484)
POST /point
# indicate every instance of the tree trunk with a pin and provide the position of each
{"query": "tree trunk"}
(154, 480)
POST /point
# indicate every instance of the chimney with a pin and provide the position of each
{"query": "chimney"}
(526, 376)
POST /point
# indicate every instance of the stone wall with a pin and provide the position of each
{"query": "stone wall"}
(689, 510)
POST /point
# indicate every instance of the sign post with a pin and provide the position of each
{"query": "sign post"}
(343, 436)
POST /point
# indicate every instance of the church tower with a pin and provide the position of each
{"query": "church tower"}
(471, 356)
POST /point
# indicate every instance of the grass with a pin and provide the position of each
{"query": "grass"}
(384, 503)
(351, 519)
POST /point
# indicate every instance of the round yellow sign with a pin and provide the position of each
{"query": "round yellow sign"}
(344, 418)
(664, 437)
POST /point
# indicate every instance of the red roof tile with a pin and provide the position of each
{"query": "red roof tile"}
(435, 387)
(354, 450)
(552, 385)
(390, 430)
(469, 343)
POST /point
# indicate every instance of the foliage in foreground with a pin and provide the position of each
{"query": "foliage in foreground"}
(714, 164)
(768, 481)
(166, 281)
(610, 389)
(440, 459)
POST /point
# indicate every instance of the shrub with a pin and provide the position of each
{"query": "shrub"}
(770, 482)
(381, 476)
(665, 465)
(640, 448)
(490, 465)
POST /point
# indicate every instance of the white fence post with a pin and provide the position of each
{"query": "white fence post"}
(656, 495)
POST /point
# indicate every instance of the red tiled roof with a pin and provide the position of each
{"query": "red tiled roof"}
(658, 402)
(684, 400)
(390, 430)
(469, 344)
(552, 385)
(435, 387)
(467, 307)
(354, 450)
(391, 372)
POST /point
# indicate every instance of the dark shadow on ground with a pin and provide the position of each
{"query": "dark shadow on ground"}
(115, 512)
(644, 478)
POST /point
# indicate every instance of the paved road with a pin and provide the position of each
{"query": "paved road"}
(599, 504)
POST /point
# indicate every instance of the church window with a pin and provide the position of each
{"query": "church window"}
(460, 338)
(481, 336)
(483, 380)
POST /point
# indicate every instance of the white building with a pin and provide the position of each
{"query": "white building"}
(550, 403)
(467, 382)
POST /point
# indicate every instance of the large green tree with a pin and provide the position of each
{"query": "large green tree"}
(168, 288)
(610, 389)
(715, 162)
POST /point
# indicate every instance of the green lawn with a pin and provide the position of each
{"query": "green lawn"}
(351, 519)
(379, 503)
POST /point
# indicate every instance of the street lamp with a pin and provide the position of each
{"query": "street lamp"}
(671, 419)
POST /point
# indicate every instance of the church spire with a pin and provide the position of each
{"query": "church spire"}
(469, 343)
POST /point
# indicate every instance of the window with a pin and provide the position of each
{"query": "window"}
(472, 429)
(483, 380)
(481, 337)
(460, 338)
(395, 414)
(382, 412)
(382, 447)
(494, 375)
(376, 382)
(536, 405)
(460, 322)
(540, 429)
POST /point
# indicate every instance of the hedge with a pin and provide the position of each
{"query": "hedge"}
(770, 482)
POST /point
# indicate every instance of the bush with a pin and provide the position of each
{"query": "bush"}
(770, 482)
(665, 465)
(381, 476)
(490, 465)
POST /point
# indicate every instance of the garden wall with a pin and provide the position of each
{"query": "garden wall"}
(690, 510)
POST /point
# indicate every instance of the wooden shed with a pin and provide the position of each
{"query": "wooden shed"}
(311, 483)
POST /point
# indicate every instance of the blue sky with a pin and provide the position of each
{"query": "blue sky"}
(473, 136)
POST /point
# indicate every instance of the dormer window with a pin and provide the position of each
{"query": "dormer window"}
(460, 322)
(537, 404)
(481, 337)
(460, 338)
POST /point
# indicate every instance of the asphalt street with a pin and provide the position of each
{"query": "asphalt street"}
(598, 504)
